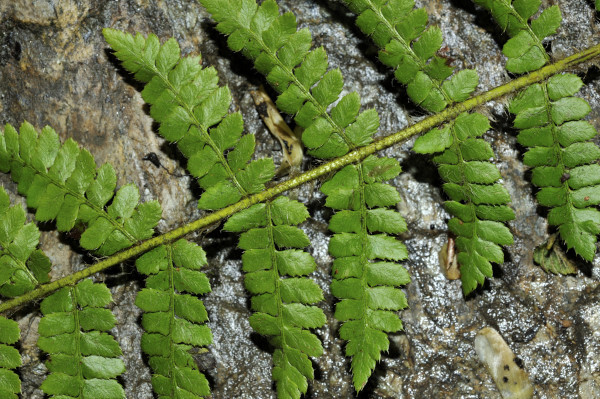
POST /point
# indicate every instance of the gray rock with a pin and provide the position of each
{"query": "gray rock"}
(55, 69)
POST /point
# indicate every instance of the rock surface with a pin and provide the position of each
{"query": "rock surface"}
(55, 69)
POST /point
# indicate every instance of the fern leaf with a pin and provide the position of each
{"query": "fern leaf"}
(477, 202)
(193, 112)
(63, 184)
(410, 48)
(281, 295)
(174, 320)
(10, 359)
(283, 54)
(22, 266)
(524, 50)
(364, 277)
(84, 359)
(563, 158)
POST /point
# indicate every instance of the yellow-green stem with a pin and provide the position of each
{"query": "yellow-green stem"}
(353, 156)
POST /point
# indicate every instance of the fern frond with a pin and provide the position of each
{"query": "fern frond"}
(283, 54)
(410, 48)
(524, 50)
(364, 279)
(63, 184)
(174, 320)
(563, 158)
(22, 266)
(84, 359)
(10, 359)
(281, 296)
(477, 201)
(193, 112)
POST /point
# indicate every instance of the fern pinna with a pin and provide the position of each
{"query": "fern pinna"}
(524, 50)
(10, 359)
(308, 91)
(563, 158)
(22, 266)
(174, 320)
(476, 200)
(364, 284)
(284, 55)
(476, 197)
(192, 111)
(550, 122)
(408, 46)
(281, 297)
(63, 184)
(84, 360)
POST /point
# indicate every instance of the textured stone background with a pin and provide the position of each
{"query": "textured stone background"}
(55, 70)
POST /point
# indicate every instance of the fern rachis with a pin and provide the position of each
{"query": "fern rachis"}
(363, 219)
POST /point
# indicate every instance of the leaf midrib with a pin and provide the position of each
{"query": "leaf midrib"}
(77, 336)
(558, 150)
(276, 279)
(171, 359)
(461, 165)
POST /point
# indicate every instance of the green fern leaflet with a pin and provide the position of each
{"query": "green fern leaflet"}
(84, 359)
(525, 51)
(282, 53)
(62, 183)
(173, 319)
(22, 266)
(192, 111)
(409, 47)
(364, 279)
(275, 266)
(477, 201)
(564, 160)
(10, 359)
